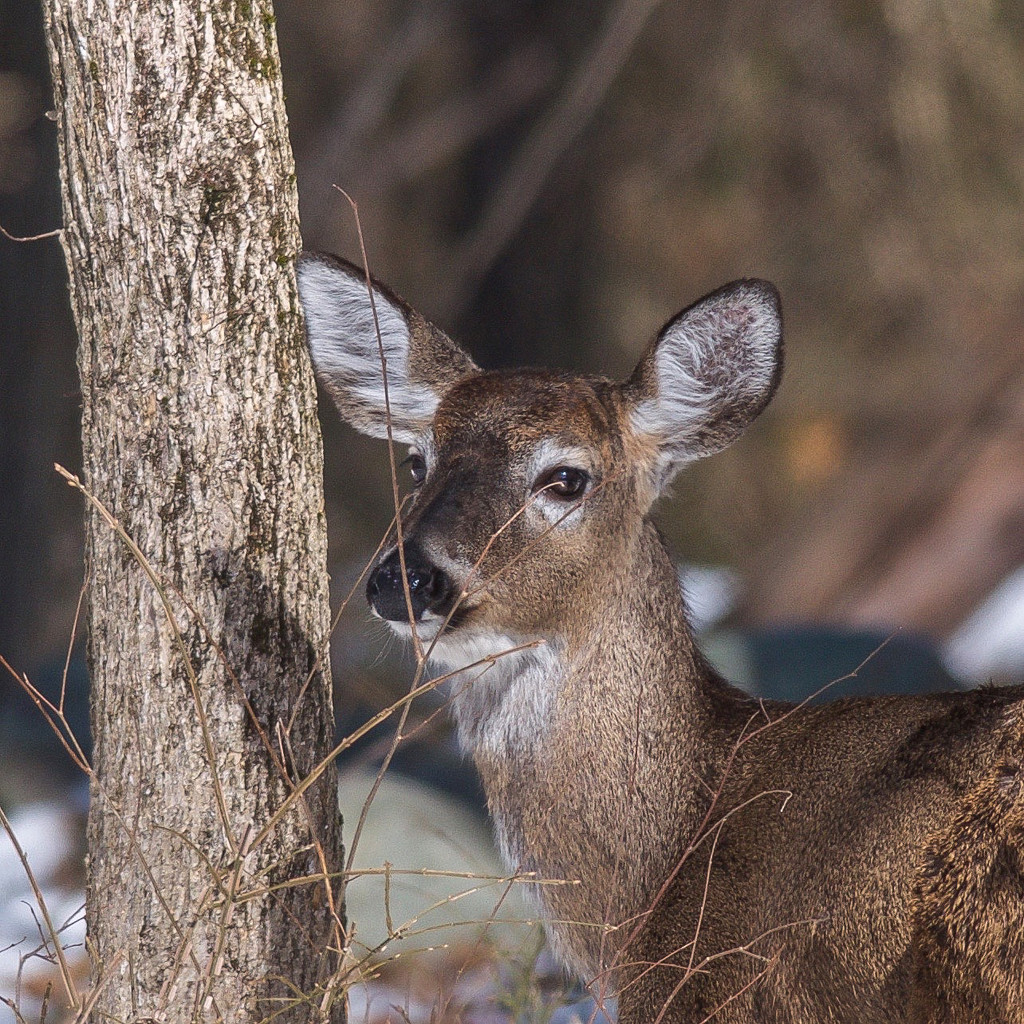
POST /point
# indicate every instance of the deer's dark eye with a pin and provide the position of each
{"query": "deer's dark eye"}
(417, 468)
(565, 482)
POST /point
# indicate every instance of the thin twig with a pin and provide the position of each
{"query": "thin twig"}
(56, 233)
(98, 986)
(354, 737)
(54, 717)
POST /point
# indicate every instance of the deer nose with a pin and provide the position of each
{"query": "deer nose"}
(429, 587)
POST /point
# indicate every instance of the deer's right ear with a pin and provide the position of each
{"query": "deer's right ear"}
(342, 325)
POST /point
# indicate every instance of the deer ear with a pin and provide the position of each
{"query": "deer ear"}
(708, 374)
(342, 327)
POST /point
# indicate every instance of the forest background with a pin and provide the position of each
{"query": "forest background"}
(549, 182)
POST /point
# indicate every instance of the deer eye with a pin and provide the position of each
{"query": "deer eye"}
(565, 482)
(417, 468)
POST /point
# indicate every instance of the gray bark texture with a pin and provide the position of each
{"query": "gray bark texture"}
(211, 700)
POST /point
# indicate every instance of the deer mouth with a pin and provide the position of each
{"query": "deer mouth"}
(467, 649)
(430, 625)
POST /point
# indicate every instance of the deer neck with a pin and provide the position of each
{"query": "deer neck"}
(594, 747)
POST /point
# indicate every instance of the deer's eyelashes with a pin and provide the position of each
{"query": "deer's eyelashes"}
(417, 468)
(564, 482)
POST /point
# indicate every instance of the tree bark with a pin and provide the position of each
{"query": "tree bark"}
(211, 693)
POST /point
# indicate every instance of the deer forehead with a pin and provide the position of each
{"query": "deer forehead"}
(522, 412)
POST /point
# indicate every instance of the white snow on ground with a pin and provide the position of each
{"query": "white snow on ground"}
(409, 824)
(711, 592)
(48, 833)
(989, 644)
(46, 836)
(413, 827)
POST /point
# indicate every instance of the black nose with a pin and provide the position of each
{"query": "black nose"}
(429, 587)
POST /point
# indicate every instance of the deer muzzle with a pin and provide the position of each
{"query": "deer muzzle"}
(430, 588)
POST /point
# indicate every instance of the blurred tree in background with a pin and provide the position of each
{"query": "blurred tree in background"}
(550, 181)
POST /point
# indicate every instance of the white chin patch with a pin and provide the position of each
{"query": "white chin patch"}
(460, 648)
(427, 628)
(502, 686)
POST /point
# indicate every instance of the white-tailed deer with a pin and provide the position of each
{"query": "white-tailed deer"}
(739, 860)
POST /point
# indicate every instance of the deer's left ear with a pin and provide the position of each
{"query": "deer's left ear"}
(708, 374)
(342, 325)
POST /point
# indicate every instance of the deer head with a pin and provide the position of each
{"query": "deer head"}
(531, 486)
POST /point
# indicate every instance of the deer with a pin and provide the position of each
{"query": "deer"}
(736, 860)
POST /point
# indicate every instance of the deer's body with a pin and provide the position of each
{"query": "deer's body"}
(859, 861)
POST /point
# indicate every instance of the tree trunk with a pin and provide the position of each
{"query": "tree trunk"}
(200, 438)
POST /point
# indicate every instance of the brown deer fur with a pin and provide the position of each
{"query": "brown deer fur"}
(741, 861)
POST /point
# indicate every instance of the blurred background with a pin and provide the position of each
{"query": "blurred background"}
(550, 181)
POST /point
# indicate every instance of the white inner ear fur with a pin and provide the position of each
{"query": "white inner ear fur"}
(343, 341)
(718, 357)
